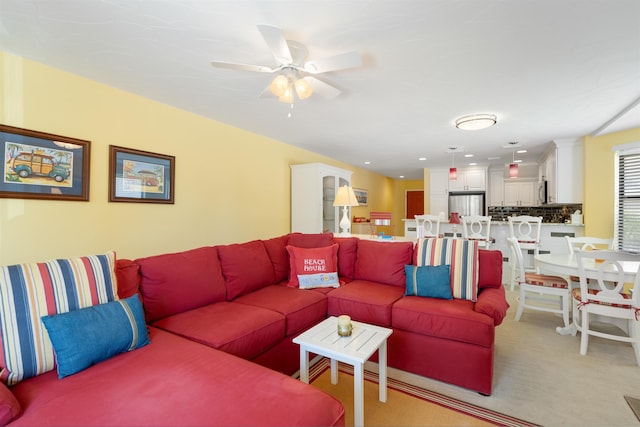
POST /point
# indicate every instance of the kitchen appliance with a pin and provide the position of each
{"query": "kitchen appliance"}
(467, 203)
(543, 194)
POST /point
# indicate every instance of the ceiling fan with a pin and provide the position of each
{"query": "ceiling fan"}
(294, 73)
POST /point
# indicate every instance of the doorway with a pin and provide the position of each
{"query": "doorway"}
(414, 203)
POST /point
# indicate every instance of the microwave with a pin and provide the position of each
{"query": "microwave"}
(543, 194)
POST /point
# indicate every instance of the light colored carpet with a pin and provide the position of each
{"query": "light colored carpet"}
(540, 376)
(406, 405)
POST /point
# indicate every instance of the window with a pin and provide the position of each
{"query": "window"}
(628, 201)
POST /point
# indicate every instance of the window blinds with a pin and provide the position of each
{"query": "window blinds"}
(628, 215)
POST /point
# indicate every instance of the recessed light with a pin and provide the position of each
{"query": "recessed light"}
(472, 164)
(422, 159)
(401, 176)
(521, 151)
(367, 163)
(468, 155)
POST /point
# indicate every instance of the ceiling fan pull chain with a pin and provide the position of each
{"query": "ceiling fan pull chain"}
(290, 111)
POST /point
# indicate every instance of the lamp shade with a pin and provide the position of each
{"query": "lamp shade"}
(513, 170)
(453, 174)
(303, 88)
(279, 85)
(345, 197)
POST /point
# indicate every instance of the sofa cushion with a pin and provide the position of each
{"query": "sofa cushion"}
(452, 320)
(462, 255)
(306, 240)
(428, 281)
(277, 250)
(90, 335)
(347, 254)
(246, 267)
(30, 291)
(383, 262)
(239, 329)
(128, 277)
(313, 267)
(177, 282)
(365, 301)
(9, 406)
(301, 308)
(489, 268)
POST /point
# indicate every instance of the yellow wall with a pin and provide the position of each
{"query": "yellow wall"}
(231, 185)
(599, 181)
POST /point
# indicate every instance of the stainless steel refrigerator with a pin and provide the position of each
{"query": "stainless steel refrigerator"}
(467, 203)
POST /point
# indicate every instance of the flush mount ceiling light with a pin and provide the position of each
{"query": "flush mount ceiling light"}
(476, 121)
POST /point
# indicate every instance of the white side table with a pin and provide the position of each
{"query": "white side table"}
(323, 339)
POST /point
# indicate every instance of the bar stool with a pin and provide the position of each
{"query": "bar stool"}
(477, 227)
(427, 226)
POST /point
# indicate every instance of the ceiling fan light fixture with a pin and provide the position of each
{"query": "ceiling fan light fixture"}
(476, 121)
(303, 88)
(279, 85)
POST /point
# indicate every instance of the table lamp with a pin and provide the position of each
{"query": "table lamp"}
(345, 198)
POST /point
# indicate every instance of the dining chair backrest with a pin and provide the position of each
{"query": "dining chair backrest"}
(516, 259)
(477, 227)
(587, 243)
(526, 229)
(427, 225)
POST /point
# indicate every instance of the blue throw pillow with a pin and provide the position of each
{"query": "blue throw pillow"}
(90, 335)
(428, 281)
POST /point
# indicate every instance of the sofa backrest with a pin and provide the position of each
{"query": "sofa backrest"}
(177, 282)
(383, 262)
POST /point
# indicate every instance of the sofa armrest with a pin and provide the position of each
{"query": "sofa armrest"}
(493, 303)
(9, 406)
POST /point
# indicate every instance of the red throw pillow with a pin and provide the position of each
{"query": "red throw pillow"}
(306, 240)
(318, 265)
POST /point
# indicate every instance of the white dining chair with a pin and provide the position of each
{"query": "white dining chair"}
(477, 227)
(540, 292)
(526, 229)
(585, 243)
(602, 293)
(427, 226)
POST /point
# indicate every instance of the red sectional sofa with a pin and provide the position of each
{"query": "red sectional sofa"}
(212, 311)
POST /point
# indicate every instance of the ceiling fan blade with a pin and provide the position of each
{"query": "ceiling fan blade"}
(243, 67)
(277, 43)
(334, 63)
(323, 89)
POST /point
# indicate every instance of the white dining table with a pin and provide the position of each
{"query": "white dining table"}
(567, 265)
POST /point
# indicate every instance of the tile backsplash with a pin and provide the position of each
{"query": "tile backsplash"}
(556, 213)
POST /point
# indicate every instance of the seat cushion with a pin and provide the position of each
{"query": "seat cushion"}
(365, 301)
(246, 267)
(453, 319)
(238, 329)
(177, 282)
(546, 281)
(302, 308)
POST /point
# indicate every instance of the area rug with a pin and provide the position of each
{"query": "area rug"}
(407, 405)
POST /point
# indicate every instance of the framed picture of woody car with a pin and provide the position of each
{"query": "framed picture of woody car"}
(140, 176)
(39, 165)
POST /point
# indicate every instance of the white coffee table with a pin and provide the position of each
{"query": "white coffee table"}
(323, 339)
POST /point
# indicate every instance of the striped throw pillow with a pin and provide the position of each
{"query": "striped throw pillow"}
(461, 255)
(30, 291)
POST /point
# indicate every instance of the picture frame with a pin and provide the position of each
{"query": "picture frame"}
(40, 165)
(362, 196)
(140, 176)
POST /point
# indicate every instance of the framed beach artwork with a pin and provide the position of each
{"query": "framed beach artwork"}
(362, 196)
(140, 176)
(39, 165)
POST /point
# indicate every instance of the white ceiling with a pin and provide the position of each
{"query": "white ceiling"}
(549, 69)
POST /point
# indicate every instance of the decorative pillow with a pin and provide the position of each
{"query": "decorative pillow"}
(30, 291)
(313, 267)
(461, 255)
(428, 281)
(84, 337)
(310, 240)
(9, 406)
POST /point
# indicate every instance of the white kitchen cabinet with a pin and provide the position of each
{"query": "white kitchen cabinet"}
(520, 193)
(469, 180)
(313, 190)
(438, 191)
(496, 188)
(565, 183)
